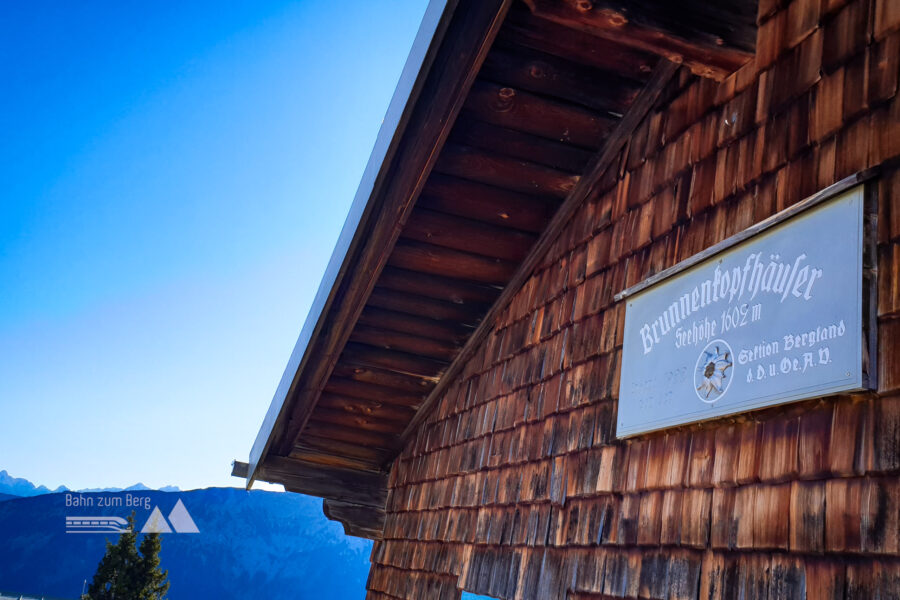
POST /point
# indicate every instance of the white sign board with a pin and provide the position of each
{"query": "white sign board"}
(774, 319)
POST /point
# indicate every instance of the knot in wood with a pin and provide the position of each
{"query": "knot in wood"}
(584, 5)
(505, 98)
(614, 18)
(537, 71)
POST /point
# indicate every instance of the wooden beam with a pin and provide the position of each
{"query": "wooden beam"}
(424, 306)
(522, 28)
(435, 260)
(325, 446)
(239, 469)
(513, 108)
(466, 38)
(353, 421)
(400, 362)
(469, 131)
(460, 196)
(404, 322)
(399, 386)
(349, 435)
(642, 106)
(366, 407)
(405, 342)
(458, 291)
(468, 235)
(361, 487)
(340, 460)
(324, 488)
(712, 39)
(505, 172)
(548, 75)
(358, 520)
(360, 532)
(368, 392)
(278, 465)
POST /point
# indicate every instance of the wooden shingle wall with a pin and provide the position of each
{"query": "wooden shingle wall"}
(516, 486)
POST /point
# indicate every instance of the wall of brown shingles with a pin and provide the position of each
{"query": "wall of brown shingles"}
(516, 487)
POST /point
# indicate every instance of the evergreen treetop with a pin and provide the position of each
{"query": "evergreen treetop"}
(127, 572)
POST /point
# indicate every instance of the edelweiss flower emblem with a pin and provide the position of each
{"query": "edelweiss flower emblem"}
(711, 376)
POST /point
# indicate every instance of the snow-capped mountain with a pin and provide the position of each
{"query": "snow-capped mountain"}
(16, 486)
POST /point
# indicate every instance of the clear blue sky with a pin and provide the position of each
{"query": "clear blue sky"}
(173, 178)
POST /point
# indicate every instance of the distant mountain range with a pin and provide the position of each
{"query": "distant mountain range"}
(252, 544)
(17, 486)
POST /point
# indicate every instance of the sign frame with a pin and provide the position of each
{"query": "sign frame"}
(868, 301)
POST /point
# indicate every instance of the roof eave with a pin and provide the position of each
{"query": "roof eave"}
(434, 24)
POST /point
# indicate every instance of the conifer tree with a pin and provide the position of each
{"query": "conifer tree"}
(153, 584)
(126, 574)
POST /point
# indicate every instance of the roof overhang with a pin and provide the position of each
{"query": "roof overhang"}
(505, 117)
(417, 66)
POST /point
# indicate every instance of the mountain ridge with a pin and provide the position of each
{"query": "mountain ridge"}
(19, 486)
(250, 544)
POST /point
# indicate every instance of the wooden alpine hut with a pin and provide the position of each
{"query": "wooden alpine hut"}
(616, 310)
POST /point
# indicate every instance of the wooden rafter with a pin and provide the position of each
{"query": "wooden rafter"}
(712, 39)
(662, 73)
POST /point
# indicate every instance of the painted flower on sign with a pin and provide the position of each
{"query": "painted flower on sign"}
(711, 368)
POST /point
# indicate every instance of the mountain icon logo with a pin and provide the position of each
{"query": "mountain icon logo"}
(179, 520)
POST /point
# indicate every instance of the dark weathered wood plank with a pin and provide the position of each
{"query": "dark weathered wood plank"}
(367, 392)
(340, 460)
(352, 379)
(326, 446)
(324, 488)
(416, 325)
(513, 108)
(424, 306)
(470, 131)
(400, 362)
(366, 407)
(349, 435)
(435, 260)
(712, 43)
(279, 465)
(505, 172)
(343, 418)
(405, 342)
(458, 291)
(548, 75)
(240, 469)
(468, 235)
(358, 520)
(522, 28)
(363, 487)
(464, 197)
(661, 76)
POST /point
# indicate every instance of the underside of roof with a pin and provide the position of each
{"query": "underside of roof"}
(515, 110)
